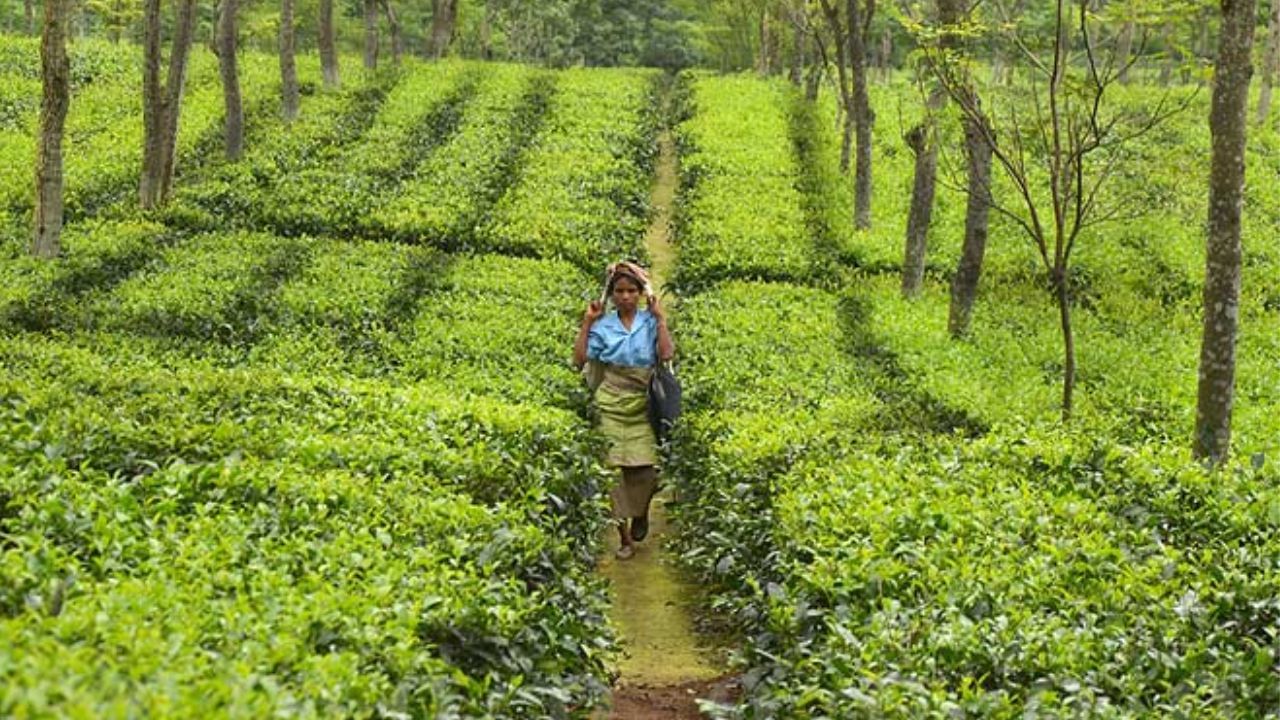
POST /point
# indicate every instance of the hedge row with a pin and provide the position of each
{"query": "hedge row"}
(252, 192)
(327, 172)
(583, 189)
(742, 214)
(103, 152)
(885, 571)
(444, 201)
(391, 545)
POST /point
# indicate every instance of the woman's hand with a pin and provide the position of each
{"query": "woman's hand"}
(595, 310)
(656, 309)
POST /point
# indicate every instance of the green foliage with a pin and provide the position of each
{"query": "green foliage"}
(215, 286)
(443, 203)
(742, 214)
(899, 520)
(281, 184)
(38, 294)
(583, 188)
(103, 137)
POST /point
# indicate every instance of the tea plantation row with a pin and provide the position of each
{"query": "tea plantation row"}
(900, 520)
(264, 454)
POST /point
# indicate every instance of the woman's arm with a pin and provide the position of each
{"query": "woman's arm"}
(593, 313)
(666, 346)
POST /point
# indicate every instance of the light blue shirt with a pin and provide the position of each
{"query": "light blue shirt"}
(610, 342)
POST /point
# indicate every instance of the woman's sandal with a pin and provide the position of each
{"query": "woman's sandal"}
(626, 552)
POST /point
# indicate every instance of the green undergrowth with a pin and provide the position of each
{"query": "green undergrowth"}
(900, 521)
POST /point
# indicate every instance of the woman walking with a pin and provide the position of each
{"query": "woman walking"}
(620, 350)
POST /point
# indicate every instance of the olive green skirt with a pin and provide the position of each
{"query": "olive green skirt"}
(623, 406)
(624, 420)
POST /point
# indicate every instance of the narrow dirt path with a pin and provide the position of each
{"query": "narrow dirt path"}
(665, 669)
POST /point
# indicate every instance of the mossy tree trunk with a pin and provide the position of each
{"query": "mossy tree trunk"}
(228, 70)
(1228, 127)
(55, 71)
(289, 100)
(161, 107)
(328, 46)
(444, 17)
(964, 284)
(1271, 63)
(863, 117)
(370, 34)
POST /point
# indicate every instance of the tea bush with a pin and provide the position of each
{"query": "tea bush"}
(583, 189)
(900, 522)
(742, 213)
(443, 202)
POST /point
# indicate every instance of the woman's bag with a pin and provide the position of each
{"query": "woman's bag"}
(664, 401)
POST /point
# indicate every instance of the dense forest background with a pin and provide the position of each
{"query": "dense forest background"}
(767, 35)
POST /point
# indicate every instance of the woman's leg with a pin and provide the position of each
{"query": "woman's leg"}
(641, 483)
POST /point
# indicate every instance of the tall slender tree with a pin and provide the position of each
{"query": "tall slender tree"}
(922, 139)
(1270, 63)
(444, 18)
(29, 11)
(847, 34)
(1229, 128)
(288, 67)
(370, 34)
(228, 69)
(162, 106)
(393, 25)
(328, 46)
(863, 117)
(55, 70)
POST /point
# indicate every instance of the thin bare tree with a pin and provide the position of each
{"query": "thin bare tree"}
(393, 25)
(1070, 137)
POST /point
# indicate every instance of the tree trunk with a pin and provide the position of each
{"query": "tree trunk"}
(813, 80)
(763, 53)
(370, 34)
(152, 105)
(1228, 126)
(886, 55)
(964, 285)
(921, 142)
(486, 34)
(328, 49)
(161, 110)
(846, 142)
(1271, 64)
(394, 26)
(289, 99)
(227, 68)
(443, 20)
(1170, 55)
(863, 117)
(176, 83)
(797, 44)
(56, 98)
(1062, 291)
(1124, 48)
(29, 11)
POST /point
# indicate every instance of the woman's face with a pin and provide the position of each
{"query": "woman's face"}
(626, 294)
